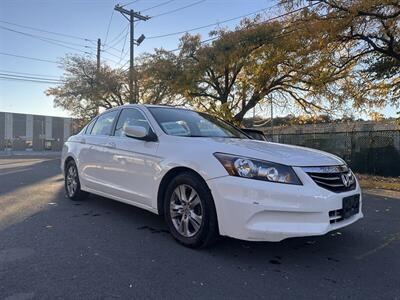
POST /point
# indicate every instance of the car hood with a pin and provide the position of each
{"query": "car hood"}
(274, 152)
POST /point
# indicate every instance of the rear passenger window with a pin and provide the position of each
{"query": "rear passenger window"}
(90, 126)
(104, 123)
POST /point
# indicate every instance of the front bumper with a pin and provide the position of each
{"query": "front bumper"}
(255, 210)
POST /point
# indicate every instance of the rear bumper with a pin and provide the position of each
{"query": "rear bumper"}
(255, 210)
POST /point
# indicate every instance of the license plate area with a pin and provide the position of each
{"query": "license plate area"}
(351, 206)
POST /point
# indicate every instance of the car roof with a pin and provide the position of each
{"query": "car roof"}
(152, 105)
(137, 105)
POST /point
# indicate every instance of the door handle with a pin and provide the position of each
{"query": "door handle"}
(110, 145)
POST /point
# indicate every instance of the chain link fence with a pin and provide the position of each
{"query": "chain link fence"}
(366, 152)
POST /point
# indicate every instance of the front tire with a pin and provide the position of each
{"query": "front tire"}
(190, 211)
(71, 182)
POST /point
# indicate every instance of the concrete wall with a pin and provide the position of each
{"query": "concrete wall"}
(32, 132)
(38, 133)
(2, 131)
(19, 132)
(57, 133)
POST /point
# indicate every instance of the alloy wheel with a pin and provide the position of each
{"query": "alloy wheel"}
(186, 210)
(72, 180)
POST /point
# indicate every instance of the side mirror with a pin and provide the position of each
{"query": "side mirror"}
(140, 133)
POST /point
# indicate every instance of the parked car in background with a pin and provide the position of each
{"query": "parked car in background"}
(208, 178)
(255, 134)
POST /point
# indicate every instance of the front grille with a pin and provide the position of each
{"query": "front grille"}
(334, 178)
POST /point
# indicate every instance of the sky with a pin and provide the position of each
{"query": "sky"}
(80, 23)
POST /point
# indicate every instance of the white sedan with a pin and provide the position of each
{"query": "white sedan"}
(207, 178)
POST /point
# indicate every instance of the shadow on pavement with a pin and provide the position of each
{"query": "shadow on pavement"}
(25, 174)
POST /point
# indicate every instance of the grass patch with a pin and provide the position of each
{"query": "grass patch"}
(379, 182)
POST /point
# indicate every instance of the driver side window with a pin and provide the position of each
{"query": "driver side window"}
(130, 117)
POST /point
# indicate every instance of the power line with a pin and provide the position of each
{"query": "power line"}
(155, 6)
(113, 48)
(24, 73)
(109, 59)
(129, 3)
(30, 77)
(263, 22)
(27, 57)
(118, 35)
(123, 47)
(47, 40)
(202, 42)
(109, 53)
(44, 38)
(124, 65)
(46, 31)
(212, 24)
(42, 59)
(178, 9)
(30, 80)
(108, 27)
(121, 37)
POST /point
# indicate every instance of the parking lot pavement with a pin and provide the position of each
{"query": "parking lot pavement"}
(51, 248)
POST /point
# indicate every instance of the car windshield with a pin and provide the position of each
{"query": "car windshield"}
(183, 122)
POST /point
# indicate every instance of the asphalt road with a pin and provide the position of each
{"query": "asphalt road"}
(53, 248)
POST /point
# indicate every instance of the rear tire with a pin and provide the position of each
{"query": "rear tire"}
(189, 211)
(72, 184)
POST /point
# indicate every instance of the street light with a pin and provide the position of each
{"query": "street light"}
(140, 40)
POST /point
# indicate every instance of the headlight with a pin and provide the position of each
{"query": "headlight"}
(257, 169)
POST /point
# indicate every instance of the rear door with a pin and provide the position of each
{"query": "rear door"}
(134, 163)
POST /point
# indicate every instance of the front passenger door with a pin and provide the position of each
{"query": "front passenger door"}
(94, 160)
(134, 160)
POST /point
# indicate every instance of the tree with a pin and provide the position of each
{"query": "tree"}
(244, 67)
(364, 33)
(156, 73)
(86, 90)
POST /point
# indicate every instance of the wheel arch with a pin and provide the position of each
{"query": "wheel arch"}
(167, 179)
(67, 160)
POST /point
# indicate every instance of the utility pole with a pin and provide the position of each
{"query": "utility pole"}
(98, 66)
(272, 120)
(98, 54)
(132, 17)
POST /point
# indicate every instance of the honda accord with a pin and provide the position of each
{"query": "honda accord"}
(208, 178)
